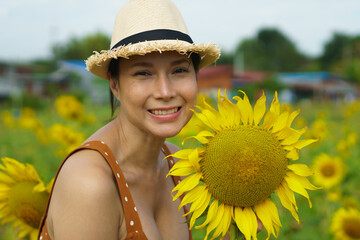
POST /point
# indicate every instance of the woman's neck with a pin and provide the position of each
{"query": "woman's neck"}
(133, 148)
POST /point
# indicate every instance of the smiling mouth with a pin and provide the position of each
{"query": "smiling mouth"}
(165, 112)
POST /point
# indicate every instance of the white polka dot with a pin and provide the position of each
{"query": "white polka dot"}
(136, 231)
(117, 162)
(179, 181)
(41, 237)
(126, 185)
(131, 223)
(106, 154)
(46, 234)
(102, 142)
(135, 209)
(126, 199)
(171, 161)
(118, 175)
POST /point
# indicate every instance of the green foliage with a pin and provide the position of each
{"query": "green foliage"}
(81, 48)
(352, 70)
(334, 50)
(225, 58)
(270, 50)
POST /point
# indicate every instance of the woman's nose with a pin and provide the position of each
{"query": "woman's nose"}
(164, 88)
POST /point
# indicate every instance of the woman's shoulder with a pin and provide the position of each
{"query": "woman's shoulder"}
(84, 189)
(87, 175)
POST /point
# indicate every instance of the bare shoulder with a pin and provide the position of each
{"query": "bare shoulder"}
(85, 202)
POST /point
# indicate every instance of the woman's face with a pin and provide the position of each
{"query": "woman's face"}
(156, 92)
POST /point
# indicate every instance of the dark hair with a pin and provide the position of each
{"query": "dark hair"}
(114, 74)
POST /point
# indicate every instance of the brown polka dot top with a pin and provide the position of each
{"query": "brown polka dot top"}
(133, 225)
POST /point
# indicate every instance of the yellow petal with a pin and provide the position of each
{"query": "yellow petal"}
(268, 214)
(4, 178)
(205, 134)
(303, 180)
(301, 169)
(296, 186)
(248, 108)
(269, 119)
(303, 143)
(182, 154)
(210, 214)
(246, 221)
(192, 195)
(292, 116)
(293, 154)
(280, 122)
(224, 224)
(216, 221)
(244, 115)
(197, 204)
(228, 211)
(275, 105)
(208, 119)
(194, 159)
(286, 202)
(185, 185)
(184, 171)
(285, 133)
(294, 138)
(198, 212)
(259, 109)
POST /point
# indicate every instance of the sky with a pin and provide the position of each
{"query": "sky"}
(28, 28)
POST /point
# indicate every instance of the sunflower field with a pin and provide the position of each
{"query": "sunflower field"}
(35, 139)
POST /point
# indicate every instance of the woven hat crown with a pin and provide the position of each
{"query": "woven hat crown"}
(145, 15)
(145, 26)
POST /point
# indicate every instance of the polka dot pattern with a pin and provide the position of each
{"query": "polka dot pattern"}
(133, 224)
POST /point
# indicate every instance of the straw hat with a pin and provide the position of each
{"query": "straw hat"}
(145, 26)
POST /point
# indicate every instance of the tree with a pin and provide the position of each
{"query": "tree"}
(270, 50)
(81, 48)
(335, 50)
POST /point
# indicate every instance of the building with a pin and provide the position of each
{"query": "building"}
(317, 85)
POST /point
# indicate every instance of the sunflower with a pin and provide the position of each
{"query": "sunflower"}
(319, 129)
(345, 224)
(69, 107)
(68, 138)
(23, 196)
(7, 119)
(240, 162)
(329, 171)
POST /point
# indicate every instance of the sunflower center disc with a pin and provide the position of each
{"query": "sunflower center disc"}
(27, 205)
(328, 170)
(351, 228)
(244, 165)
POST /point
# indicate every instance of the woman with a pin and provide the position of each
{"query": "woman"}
(114, 186)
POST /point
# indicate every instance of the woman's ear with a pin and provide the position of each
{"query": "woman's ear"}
(114, 86)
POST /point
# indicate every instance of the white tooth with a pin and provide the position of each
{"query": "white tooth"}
(156, 112)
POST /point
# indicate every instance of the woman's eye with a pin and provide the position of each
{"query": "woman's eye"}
(142, 73)
(180, 70)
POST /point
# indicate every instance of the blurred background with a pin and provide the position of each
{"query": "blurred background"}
(308, 51)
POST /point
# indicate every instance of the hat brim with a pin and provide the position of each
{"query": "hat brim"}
(98, 63)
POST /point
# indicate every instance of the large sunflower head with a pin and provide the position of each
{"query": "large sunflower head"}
(245, 156)
(345, 224)
(23, 196)
(329, 170)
